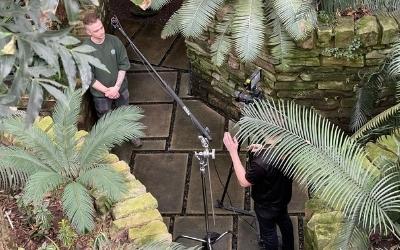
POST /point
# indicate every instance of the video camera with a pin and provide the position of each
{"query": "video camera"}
(252, 90)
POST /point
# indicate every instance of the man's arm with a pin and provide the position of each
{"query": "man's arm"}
(114, 91)
(99, 87)
(231, 145)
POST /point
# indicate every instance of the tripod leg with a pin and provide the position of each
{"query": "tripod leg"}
(221, 202)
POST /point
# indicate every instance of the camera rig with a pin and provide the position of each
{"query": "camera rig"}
(252, 89)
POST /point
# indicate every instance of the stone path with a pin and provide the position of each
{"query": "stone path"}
(166, 164)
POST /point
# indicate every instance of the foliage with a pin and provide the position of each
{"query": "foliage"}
(31, 56)
(347, 181)
(66, 234)
(352, 52)
(37, 214)
(367, 95)
(280, 20)
(46, 162)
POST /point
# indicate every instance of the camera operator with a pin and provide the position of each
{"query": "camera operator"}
(271, 192)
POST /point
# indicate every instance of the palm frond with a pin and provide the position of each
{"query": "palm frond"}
(394, 68)
(172, 27)
(196, 15)
(22, 160)
(223, 42)
(164, 245)
(377, 121)
(39, 184)
(113, 128)
(10, 177)
(351, 237)
(78, 206)
(35, 140)
(309, 141)
(248, 29)
(158, 4)
(104, 178)
(297, 17)
(282, 44)
(366, 97)
(65, 117)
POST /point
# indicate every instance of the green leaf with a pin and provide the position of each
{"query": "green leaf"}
(158, 4)
(34, 103)
(46, 53)
(7, 63)
(39, 184)
(68, 65)
(223, 43)
(69, 40)
(105, 179)
(55, 92)
(172, 27)
(42, 70)
(4, 34)
(84, 49)
(248, 29)
(72, 9)
(196, 15)
(78, 206)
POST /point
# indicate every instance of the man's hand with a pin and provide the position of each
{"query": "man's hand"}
(255, 147)
(231, 144)
(112, 93)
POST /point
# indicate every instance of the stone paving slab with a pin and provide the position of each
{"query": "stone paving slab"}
(130, 29)
(194, 226)
(184, 87)
(164, 177)
(142, 67)
(247, 233)
(299, 197)
(177, 57)
(151, 145)
(148, 41)
(144, 87)
(235, 192)
(185, 134)
(167, 221)
(157, 119)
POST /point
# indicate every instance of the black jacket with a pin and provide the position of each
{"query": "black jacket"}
(271, 189)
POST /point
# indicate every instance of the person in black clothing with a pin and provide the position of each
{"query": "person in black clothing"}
(271, 192)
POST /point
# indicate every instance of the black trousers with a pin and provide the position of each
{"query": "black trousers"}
(268, 219)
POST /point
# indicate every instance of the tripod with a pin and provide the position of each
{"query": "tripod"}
(211, 237)
(220, 203)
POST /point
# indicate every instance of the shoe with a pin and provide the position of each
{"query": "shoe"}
(137, 143)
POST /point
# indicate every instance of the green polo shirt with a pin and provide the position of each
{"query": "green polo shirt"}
(112, 54)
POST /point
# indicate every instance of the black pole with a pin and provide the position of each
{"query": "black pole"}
(115, 23)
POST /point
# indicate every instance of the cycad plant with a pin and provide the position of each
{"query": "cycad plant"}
(331, 164)
(48, 163)
(248, 22)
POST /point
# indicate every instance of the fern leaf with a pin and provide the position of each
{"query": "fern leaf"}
(248, 29)
(222, 45)
(22, 160)
(105, 179)
(196, 15)
(78, 206)
(158, 4)
(172, 27)
(377, 121)
(113, 128)
(36, 140)
(39, 184)
(309, 141)
(11, 178)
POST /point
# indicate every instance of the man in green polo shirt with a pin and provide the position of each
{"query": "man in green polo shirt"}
(109, 89)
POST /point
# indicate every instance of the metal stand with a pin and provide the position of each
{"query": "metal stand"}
(211, 237)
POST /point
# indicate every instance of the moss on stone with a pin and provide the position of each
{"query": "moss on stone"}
(367, 28)
(121, 166)
(45, 123)
(138, 219)
(153, 228)
(134, 205)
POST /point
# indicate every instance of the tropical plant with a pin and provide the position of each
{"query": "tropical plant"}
(387, 76)
(46, 162)
(248, 22)
(30, 55)
(331, 164)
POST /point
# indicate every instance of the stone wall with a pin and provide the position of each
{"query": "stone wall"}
(321, 72)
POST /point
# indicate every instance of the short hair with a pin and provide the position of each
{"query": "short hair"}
(90, 17)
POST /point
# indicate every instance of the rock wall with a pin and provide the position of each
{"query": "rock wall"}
(321, 72)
